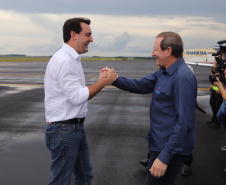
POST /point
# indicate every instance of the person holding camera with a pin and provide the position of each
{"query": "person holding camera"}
(215, 102)
(220, 82)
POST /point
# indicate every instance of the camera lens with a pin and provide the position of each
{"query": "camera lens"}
(213, 78)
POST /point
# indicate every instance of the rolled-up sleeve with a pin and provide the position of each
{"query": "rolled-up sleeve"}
(84, 94)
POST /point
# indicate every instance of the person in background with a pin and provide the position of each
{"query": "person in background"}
(215, 104)
(66, 104)
(222, 112)
(221, 115)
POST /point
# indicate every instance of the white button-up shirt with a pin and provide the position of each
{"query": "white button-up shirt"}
(66, 95)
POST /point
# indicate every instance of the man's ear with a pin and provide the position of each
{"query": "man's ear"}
(169, 51)
(73, 35)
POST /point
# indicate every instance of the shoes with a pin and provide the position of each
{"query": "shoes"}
(214, 125)
(223, 148)
(144, 163)
(186, 170)
(210, 122)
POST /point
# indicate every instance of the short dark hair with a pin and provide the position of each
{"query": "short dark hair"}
(173, 40)
(73, 24)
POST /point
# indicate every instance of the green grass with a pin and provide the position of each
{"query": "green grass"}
(22, 59)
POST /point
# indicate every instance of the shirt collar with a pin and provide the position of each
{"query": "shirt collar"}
(174, 66)
(72, 52)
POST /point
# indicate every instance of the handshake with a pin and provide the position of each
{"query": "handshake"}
(108, 74)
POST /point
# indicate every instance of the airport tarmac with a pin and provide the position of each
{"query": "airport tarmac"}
(116, 125)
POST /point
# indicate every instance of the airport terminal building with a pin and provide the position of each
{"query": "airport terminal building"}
(199, 55)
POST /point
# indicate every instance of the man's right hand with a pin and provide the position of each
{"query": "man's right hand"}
(103, 73)
(109, 74)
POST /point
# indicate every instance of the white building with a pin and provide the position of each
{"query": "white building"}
(199, 55)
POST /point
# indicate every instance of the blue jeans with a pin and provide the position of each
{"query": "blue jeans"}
(171, 173)
(69, 154)
(220, 115)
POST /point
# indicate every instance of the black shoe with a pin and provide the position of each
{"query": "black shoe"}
(144, 163)
(210, 122)
(214, 125)
(186, 170)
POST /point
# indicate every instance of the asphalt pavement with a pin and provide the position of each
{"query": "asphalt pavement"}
(116, 125)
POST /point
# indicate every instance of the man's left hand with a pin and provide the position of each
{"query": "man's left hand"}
(158, 168)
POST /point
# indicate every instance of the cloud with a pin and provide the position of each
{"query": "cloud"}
(117, 7)
(119, 42)
(131, 35)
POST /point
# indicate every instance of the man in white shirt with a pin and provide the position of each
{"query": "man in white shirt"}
(66, 99)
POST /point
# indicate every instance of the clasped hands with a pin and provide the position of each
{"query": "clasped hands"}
(109, 74)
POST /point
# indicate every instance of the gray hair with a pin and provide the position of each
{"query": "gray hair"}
(173, 40)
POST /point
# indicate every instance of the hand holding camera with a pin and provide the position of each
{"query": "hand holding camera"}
(219, 64)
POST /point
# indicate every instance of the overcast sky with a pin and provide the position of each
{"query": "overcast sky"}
(34, 27)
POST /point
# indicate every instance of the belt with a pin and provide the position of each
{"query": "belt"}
(69, 121)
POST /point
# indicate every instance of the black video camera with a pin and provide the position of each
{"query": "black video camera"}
(221, 64)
